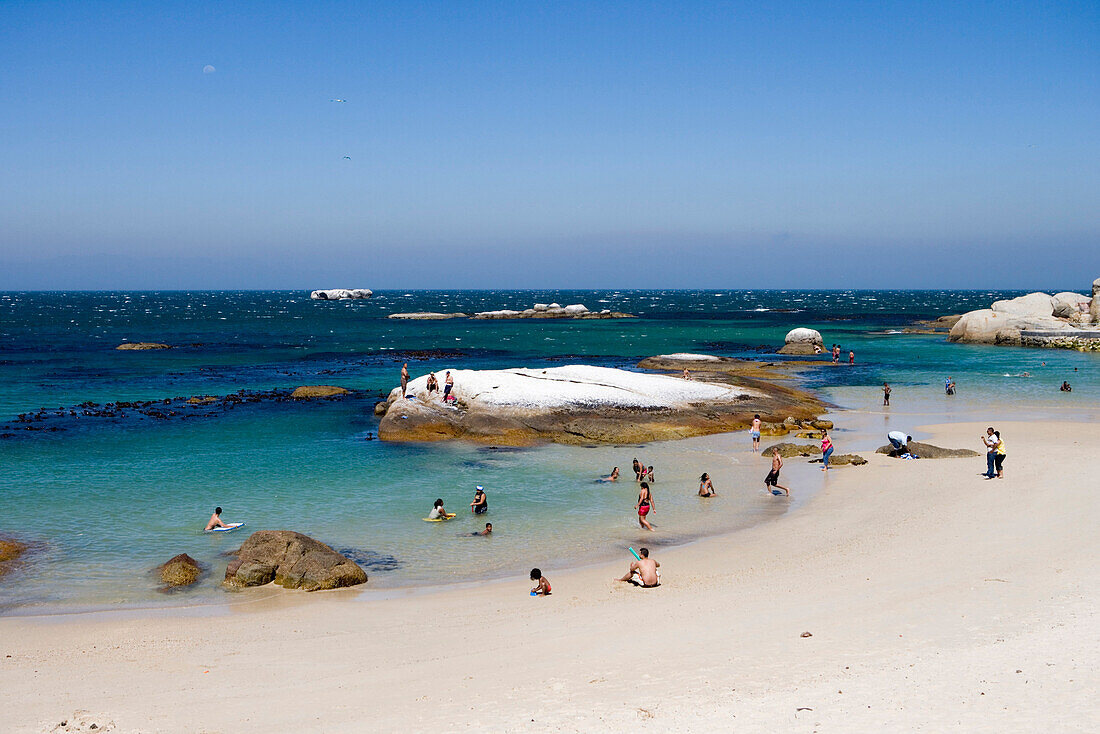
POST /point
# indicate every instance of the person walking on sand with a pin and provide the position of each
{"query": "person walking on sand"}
(643, 572)
(989, 440)
(772, 480)
(404, 379)
(886, 393)
(755, 433)
(645, 504)
(826, 449)
(706, 489)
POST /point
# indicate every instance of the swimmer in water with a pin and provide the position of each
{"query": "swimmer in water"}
(438, 513)
(612, 477)
(216, 520)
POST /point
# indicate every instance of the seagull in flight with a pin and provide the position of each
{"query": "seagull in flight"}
(347, 158)
(337, 100)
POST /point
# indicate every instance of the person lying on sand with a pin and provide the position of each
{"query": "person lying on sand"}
(216, 520)
(612, 477)
(438, 513)
(643, 572)
(772, 480)
(543, 586)
(706, 489)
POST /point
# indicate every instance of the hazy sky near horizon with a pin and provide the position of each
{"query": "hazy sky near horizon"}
(549, 145)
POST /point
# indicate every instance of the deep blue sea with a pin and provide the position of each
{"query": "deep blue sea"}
(104, 498)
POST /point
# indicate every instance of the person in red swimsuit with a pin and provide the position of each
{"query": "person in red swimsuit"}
(645, 504)
(543, 586)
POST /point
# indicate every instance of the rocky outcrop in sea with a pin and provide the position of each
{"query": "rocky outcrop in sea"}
(341, 294)
(1063, 320)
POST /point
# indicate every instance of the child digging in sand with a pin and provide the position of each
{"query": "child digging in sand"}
(543, 586)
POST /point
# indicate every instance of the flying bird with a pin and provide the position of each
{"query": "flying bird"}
(347, 158)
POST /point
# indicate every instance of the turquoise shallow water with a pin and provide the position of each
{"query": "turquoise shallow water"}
(104, 499)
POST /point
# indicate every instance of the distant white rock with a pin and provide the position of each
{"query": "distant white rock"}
(425, 316)
(541, 306)
(1037, 319)
(341, 294)
(576, 308)
(802, 341)
(688, 357)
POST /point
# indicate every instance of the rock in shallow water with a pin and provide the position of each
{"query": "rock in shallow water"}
(307, 392)
(181, 570)
(293, 561)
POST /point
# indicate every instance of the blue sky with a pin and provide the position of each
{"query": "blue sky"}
(534, 144)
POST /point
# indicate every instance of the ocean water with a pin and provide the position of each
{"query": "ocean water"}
(105, 498)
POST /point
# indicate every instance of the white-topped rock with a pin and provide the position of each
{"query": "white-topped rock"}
(688, 357)
(1033, 304)
(341, 294)
(576, 308)
(541, 306)
(802, 341)
(1068, 305)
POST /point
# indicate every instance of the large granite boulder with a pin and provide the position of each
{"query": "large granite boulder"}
(1094, 307)
(802, 341)
(989, 326)
(1069, 305)
(341, 294)
(308, 392)
(790, 450)
(1033, 304)
(293, 561)
(926, 451)
(580, 404)
(181, 570)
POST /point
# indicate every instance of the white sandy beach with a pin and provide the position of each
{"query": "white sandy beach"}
(937, 601)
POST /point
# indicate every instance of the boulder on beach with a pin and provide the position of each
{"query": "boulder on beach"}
(1094, 306)
(789, 450)
(308, 392)
(926, 451)
(1069, 305)
(293, 561)
(341, 294)
(581, 404)
(181, 570)
(802, 341)
(142, 346)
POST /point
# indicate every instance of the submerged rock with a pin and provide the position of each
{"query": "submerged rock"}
(11, 550)
(926, 451)
(141, 346)
(181, 570)
(307, 392)
(426, 316)
(293, 561)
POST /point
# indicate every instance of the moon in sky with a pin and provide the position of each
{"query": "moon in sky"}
(208, 69)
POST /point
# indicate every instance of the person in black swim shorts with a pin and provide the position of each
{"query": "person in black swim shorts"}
(772, 480)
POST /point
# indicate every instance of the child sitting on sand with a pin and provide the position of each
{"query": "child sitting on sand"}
(543, 587)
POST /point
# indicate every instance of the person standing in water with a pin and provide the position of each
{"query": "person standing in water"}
(826, 449)
(706, 489)
(480, 505)
(851, 356)
(645, 504)
(886, 393)
(637, 470)
(755, 433)
(404, 379)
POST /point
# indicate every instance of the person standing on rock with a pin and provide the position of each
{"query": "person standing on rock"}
(755, 433)
(886, 393)
(772, 480)
(645, 504)
(448, 385)
(404, 379)
(851, 356)
(836, 354)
